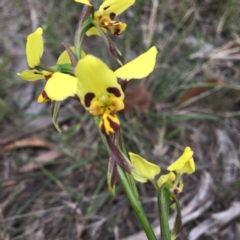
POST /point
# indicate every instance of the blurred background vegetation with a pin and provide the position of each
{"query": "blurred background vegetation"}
(53, 186)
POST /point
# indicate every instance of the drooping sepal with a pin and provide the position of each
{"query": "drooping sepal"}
(55, 112)
(117, 156)
(178, 219)
(112, 175)
(111, 45)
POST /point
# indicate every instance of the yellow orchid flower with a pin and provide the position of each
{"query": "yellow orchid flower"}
(144, 170)
(184, 164)
(34, 48)
(98, 88)
(170, 179)
(99, 92)
(104, 17)
(58, 86)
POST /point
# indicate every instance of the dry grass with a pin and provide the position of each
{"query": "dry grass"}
(66, 197)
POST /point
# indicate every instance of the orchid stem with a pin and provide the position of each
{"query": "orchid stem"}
(163, 208)
(129, 186)
(136, 205)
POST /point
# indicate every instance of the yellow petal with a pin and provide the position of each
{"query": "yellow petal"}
(115, 6)
(95, 79)
(60, 86)
(185, 163)
(31, 75)
(146, 169)
(64, 57)
(140, 67)
(86, 2)
(166, 178)
(34, 48)
(189, 167)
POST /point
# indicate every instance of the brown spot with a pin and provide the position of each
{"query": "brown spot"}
(44, 95)
(117, 31)
(102, 128)
(112, 16)
(48, 76)
(114, 91)
(106, 8)
(88, 98)
(175, 191)
(113, 125)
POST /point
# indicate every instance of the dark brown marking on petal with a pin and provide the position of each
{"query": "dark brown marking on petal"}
(175, 191)
(48, 76)
(113, 125)
(112, 15)
(38, 73)
(114, 91)
(44, 95)
(106, 8)
(102, 128)
(88, 98)
(117, 31)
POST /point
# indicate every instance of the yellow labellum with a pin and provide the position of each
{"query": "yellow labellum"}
(140, 67)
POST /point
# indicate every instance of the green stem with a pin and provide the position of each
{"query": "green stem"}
(136, 205)
(163, 208)
(176, 182)
(129, 186)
